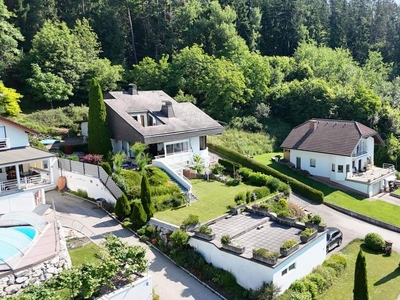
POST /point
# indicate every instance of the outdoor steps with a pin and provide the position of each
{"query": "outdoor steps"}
(182, 188)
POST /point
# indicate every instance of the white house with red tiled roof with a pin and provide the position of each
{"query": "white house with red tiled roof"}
(342, 151)
(25, 172)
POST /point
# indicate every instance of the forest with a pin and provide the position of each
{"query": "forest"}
(257, 65)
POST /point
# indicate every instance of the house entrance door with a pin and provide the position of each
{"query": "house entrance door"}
(298, 162)
(359, 165)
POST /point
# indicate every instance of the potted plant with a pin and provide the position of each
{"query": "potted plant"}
(265, 256)
(204, 232)
(261, 209)
(288, 247)
(227, 245)
(317, 221)
(309, 223)
(308, 234)
(285, 217)
(190, 223)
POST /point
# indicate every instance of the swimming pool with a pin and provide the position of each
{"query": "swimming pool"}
(15, 241)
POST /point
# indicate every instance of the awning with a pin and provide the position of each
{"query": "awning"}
(22, 155)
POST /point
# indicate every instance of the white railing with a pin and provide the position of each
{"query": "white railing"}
(4, 143)
(25, 183)
(388, 166)
(359, 152)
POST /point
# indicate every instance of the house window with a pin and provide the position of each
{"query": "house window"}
(45, 165)
(284, 272)
(177, 148)
(333, 168)
(347, 168)
(340, 168)
(292, 267)
(312, 162)
(203, 142)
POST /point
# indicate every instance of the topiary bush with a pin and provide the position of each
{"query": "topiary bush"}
(225, 239)
(122, 208)
(138, 216)
(374, 242)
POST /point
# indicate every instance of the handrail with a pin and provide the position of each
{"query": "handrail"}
(72, 224)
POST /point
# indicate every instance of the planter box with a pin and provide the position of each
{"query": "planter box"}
(191, 227)
(321, 228)
(305, 239)
(287, 252)
(287, 220)
(311, 225)
(261, 211)
(269, 261)
(232, 248)
(205, 236)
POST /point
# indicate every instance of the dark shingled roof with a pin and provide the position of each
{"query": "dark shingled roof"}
(329, 136)
(186, 121)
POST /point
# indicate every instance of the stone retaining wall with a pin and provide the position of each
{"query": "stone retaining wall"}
(13, 283)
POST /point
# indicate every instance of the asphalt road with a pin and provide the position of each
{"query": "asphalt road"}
(169, 281)
(352, 228)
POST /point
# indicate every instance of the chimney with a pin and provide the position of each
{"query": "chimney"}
(313, 125)
(167, 109)
(132, 89)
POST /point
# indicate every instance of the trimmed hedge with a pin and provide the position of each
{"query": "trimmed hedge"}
(297, 186)
(229, 166)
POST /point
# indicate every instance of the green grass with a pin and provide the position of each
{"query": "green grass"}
(397, 192)
(376, 209)
(84, 254)
(383, 275)
(213, 200)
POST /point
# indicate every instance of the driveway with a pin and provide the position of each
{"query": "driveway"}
(169, 281)
(352, 228)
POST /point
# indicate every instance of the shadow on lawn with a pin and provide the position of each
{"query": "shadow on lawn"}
(388, 277)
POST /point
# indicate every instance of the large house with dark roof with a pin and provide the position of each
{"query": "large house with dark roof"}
(25, 172)
(173, 131)
(342, 151)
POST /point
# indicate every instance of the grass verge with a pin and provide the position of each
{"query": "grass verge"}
(213, 200)
(84, 254)
(383, 275)
(377, 209)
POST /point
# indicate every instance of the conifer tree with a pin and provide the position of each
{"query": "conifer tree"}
(122, 208)
(145, 197)
(99, 134)
(138, 216)
(360, 291)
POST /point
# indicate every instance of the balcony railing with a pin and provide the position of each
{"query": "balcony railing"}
(25, 183)
(4, 143)
(359, 152)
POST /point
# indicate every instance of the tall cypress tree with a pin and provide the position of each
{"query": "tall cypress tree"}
(145, 197)
(99, 134)
(360, 291)
(138, 216)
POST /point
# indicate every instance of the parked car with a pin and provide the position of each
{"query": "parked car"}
(334, 238)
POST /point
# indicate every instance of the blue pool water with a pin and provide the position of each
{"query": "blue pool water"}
(15, 240)
(49, 141)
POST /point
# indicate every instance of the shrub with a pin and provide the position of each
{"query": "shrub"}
(266, 291)
(205, 229)
(94, 159)
(262, 192)
(297, 186)
(318, 280)
(122, 207)
(190, 220)
(233, 182)
(327, 273)
(217, 169)
(226, 239)
(177, 200)
(284, 214)
(229, 166)
(240, 198)
(374, 242)
(179, 238)
(289, 244)
(265, 253)
(337, 262)
(273, 183)
(157, 176)
(245, 173)
(138, 216)
(106, 167)
(81, 193)
(73, 157)
(308, 232)
(151, 231)
(316, 219)
(295, 210)
(145, 197)
(258, 179)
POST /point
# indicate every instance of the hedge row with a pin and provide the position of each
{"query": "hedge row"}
(229, 166)
(297, 186)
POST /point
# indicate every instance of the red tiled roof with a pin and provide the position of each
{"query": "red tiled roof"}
(329, 136)
(19, 126)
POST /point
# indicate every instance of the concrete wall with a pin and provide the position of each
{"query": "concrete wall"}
(18, 138)
(92, 185)
(305, 259)
(21, 201)
(141, 289)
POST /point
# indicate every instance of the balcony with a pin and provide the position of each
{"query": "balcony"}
(26, 182)
(359, 152)
(372, 174)
(4, 143)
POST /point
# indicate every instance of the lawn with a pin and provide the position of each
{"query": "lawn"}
(376, 209)
(383, 275)
(84, 254)
(213, 200)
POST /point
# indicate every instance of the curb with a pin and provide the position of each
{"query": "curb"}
(152, 246)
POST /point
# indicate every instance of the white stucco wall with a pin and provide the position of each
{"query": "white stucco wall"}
(84, 129)
(93, 186)
(139, 290)
(18, 138)
(251, 274)
(20, 201)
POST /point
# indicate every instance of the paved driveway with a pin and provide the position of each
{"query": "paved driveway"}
(352, 228)
(170, 282)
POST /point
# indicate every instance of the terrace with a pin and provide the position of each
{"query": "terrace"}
(372, 174)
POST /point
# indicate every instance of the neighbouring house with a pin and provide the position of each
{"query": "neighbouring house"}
(340, 151)
(25, 172)
(249, 232)
(173, 131)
